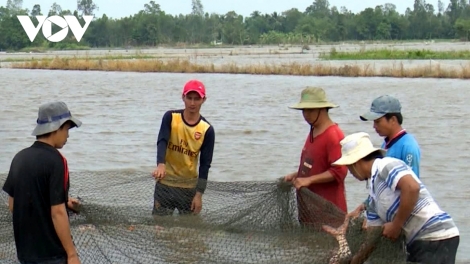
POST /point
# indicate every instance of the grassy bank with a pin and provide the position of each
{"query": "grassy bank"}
(390, 54)
(185, 66)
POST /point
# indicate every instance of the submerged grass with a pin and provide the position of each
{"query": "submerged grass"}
(391, 54)
(185, 66)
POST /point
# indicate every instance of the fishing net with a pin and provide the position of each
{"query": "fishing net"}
(241, 222)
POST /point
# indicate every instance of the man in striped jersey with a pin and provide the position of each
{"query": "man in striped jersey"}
(400, 202)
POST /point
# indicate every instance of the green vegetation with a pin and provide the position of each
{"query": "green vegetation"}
(391, 54)
(318, 23)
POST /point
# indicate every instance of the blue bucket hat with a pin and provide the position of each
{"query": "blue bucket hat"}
(51, 116)
(381, 106)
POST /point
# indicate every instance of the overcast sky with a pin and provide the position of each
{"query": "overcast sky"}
(122, 8)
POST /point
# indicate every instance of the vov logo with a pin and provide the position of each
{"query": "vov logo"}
(46, 24)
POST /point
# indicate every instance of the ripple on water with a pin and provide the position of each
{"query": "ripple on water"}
(257, 136)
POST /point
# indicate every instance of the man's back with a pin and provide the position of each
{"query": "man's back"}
(427, 222)
(37, 179)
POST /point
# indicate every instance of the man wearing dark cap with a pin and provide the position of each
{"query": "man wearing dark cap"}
(385, 112)
(38, 186)
(185, 139)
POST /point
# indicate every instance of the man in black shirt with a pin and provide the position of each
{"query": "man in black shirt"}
(38, 185)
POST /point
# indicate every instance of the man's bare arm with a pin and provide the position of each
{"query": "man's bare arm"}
(293, 174)
(62, 228)
(323, 177)
(10, 203)
(409, 194)
(366, 249)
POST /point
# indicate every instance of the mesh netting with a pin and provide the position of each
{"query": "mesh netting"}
(241, 222)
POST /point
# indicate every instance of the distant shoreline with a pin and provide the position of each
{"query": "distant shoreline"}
(403, 60)
(371, 44)
(398, 70)
(380, 50)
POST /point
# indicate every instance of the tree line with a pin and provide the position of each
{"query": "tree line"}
(318, 23)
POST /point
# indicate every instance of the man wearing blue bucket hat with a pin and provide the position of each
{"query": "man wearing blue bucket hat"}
(38, 186)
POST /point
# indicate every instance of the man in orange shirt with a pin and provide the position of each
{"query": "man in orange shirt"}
(321, 149)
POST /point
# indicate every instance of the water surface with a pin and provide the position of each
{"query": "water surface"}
(257, 136)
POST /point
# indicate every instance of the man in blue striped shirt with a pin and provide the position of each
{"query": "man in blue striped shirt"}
(400, 201)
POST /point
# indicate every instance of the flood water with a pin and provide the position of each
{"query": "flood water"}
(266, 54)
(257, 136)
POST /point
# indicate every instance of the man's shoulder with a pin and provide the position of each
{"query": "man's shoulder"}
(409, 140)
(40, 152)
(36, 156)
(34, 150)
(23, 152)
(385, 165)
(204, 120)
(173, 111)
(334, 134)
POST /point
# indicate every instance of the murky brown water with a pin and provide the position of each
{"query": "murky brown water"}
(257, 136)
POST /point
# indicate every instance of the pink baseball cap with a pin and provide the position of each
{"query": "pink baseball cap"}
(194, 86)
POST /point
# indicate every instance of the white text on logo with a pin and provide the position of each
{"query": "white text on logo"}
(46, 24)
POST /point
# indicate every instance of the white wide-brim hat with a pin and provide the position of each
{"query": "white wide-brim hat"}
(355, 147)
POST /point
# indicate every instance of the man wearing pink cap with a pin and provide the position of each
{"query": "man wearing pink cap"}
(184, 137)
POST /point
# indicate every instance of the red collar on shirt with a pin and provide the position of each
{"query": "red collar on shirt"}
(394, 139)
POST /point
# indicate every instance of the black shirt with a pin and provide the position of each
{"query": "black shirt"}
(37, 180)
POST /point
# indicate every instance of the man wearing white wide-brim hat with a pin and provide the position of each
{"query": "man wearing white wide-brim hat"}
(400, 202)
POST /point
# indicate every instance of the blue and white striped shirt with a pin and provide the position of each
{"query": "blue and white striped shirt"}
(427, 221)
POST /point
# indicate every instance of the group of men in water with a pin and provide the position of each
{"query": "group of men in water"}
(38, 179)
(397, 201)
